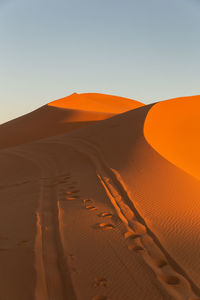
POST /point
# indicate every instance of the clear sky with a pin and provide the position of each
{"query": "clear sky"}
(148, 50)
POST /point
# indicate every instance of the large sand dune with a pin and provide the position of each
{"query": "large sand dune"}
(179, 120)
(63, 115)
(104, 211)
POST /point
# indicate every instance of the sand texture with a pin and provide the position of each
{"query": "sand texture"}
(100, 200)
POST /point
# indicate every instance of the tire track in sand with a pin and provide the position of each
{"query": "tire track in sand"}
(53, 280)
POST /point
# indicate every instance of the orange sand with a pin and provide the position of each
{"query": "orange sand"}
(172, 128)
(96, 103)
(61, 116)
(100, 212)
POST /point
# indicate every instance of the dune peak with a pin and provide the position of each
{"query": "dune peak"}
(96, 102)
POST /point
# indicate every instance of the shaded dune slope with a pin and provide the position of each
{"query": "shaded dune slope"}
(61, 116)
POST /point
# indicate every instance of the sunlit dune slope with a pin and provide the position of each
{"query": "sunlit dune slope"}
(62, 116)
(97, 102)
(172, 128)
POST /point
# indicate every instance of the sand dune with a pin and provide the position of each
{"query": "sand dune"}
(102, 211)
(100, 103)
(179, 120)
(61, 116)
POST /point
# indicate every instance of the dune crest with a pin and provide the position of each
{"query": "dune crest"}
(62, 116)
(96, 102)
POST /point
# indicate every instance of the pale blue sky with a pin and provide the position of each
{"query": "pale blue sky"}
(148, 50)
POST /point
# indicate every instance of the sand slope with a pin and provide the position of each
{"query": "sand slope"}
(179, 120)
(94, 102)
(98, 214)
(61, 116)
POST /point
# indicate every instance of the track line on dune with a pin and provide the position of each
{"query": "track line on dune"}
(139, 237)
(53, 280)
(41, 286)
(50, 241)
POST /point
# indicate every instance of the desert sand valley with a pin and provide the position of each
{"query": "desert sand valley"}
(100, 200)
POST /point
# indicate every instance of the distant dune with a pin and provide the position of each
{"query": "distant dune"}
(98, 103)
(61, 116)
(100, 200)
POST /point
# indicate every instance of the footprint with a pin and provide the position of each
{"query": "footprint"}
(133, 242)
(67, 193)
(70, 198)
(105, 215)
(89, 207)
(135, 248)
(170, 279)
(105, 226)
(85, 201)
(99, 282)
(75, 191)
(100, 298)
(160, 263)
(131, 236)
(140, 228)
